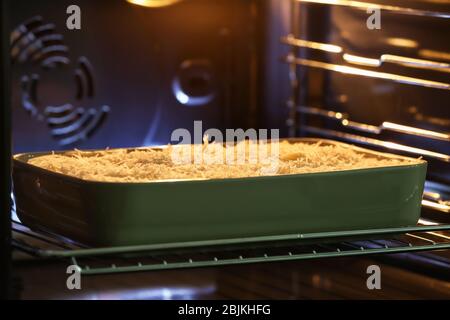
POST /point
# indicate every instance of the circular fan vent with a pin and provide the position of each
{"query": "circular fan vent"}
(37, 43)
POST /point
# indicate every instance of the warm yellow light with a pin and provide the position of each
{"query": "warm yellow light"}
(432, 54)
(153, 3)
(361, 60)
(402, 42)
(416, 131)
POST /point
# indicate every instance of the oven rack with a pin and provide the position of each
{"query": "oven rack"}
(363, 5)
(344, 120)
(385, 58)
(94, 261)
(366, 67)
(372, 142)
(347, 70)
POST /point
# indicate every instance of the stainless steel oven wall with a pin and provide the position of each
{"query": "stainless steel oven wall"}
(132, 74)
(276, 87)
(386, 88)
(387, 104)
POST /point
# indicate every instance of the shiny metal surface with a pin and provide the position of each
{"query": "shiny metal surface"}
(386, 125)
(391, 8)
(365, 61)
(214, 253)
(343, 278)
(368, 73)
(376, 143)
(291, 40)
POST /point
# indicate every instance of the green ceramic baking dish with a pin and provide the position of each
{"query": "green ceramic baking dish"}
(112, 214)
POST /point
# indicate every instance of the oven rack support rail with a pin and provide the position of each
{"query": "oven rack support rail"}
(364, 5)
(213, 253)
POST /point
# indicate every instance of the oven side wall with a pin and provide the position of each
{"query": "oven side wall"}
(5, 178)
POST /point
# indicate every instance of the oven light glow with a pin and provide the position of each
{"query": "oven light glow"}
(363, 5)
(433, 195)
(361, 60)
(361, 126)
(153, 3)
(14, 216)
(187, 100)
(311, 44)
(416, 131)
(433, 54)
(437, 206)
(162, 293)
(427, 222)
(402, 42)
(368, 73)
(182, 97)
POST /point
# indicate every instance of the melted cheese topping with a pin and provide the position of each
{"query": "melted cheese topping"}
(150, 164)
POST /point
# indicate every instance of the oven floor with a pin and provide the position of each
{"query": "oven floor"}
(343, 278)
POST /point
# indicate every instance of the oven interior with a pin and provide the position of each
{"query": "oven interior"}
(133, 74)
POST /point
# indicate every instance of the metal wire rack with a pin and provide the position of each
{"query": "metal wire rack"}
(423, 237)
(363, 5)
(92, 261)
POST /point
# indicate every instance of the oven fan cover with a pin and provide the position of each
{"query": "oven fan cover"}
(37, 44)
